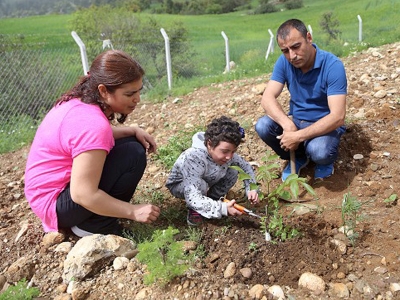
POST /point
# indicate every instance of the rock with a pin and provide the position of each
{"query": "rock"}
(64, 247)
(230, 270)
(276, 292)
(120, 263)
(91, 253)
(20, 269)
(259, 88)
(143, 294)
(3, 280)
(257, 292)
(394, 287)
(312, 282)
(340, 246)
(188, 245)
(246, 272)
(338, 290)
(52, 238)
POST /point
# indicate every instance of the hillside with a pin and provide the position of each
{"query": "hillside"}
(368, 270)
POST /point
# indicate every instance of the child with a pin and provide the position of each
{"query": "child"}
(202, 174)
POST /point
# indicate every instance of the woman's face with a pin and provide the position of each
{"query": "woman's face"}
(222, 153)
(124, 99)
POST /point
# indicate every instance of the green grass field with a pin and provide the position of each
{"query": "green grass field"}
(380, 24)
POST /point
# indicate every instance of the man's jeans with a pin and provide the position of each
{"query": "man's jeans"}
(322, 150)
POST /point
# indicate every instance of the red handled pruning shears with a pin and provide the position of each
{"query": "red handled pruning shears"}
(243, 209)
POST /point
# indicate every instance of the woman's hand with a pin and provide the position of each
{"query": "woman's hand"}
(253, 197)
(146, 140)
(232, 211)
(145, 213)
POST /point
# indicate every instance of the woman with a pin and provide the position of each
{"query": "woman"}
(81, 171)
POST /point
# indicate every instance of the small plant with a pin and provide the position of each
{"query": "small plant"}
(163, 256)
(351, 215)
(289, 189)
(195, 234)
(253, 246)
(391, 200)
(20, 291)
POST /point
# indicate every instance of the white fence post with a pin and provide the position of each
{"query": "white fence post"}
(310, 30)
(82, 47)
(359, 28)
(107, 44)
(228, 67)
(270, 45)
(167, 57)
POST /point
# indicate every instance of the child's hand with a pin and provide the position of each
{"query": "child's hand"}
(253, 197)
(232, 211)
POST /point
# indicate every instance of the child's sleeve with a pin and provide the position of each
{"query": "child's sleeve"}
(195, 189)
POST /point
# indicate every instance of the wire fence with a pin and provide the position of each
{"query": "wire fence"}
(33, 76)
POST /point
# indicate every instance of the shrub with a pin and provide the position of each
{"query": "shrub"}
(329, 25)
(163, 256)
(20, 291)
(293, 4)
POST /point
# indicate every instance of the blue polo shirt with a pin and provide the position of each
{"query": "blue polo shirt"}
(309, 92)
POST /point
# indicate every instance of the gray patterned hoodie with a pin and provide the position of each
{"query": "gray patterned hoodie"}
(195, 175)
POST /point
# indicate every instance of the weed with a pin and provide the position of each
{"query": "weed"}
(222, 230)
(20, 291)
(351, 215)
(253, 246)
(391, 200)
(195, 234)
(173, 214)
(138, 232)
(163, 256)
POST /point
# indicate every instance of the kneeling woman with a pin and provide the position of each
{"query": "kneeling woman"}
(81, 171)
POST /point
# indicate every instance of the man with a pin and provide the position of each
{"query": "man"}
(317, 83)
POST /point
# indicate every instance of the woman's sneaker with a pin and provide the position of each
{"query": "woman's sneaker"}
(194, 218)
(323, 171)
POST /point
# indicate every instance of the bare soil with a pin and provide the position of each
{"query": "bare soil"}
(373, 121)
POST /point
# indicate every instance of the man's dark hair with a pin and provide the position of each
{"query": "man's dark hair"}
(223, 129)
(284, 29)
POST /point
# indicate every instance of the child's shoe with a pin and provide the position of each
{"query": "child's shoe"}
(194, 218)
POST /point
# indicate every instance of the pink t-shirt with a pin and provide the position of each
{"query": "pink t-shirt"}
(66, 131)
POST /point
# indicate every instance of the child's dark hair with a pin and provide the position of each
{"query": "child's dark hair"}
(223, 129)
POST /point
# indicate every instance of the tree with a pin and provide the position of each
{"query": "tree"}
(329, 25)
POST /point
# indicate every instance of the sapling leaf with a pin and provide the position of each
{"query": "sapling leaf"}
(309, 189)
(294, 188)
(253, 186)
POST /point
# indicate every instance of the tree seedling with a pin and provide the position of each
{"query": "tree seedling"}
(351, 216)
(272, 223)
(164, 257)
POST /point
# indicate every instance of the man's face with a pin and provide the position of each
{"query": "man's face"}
(298, 50)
